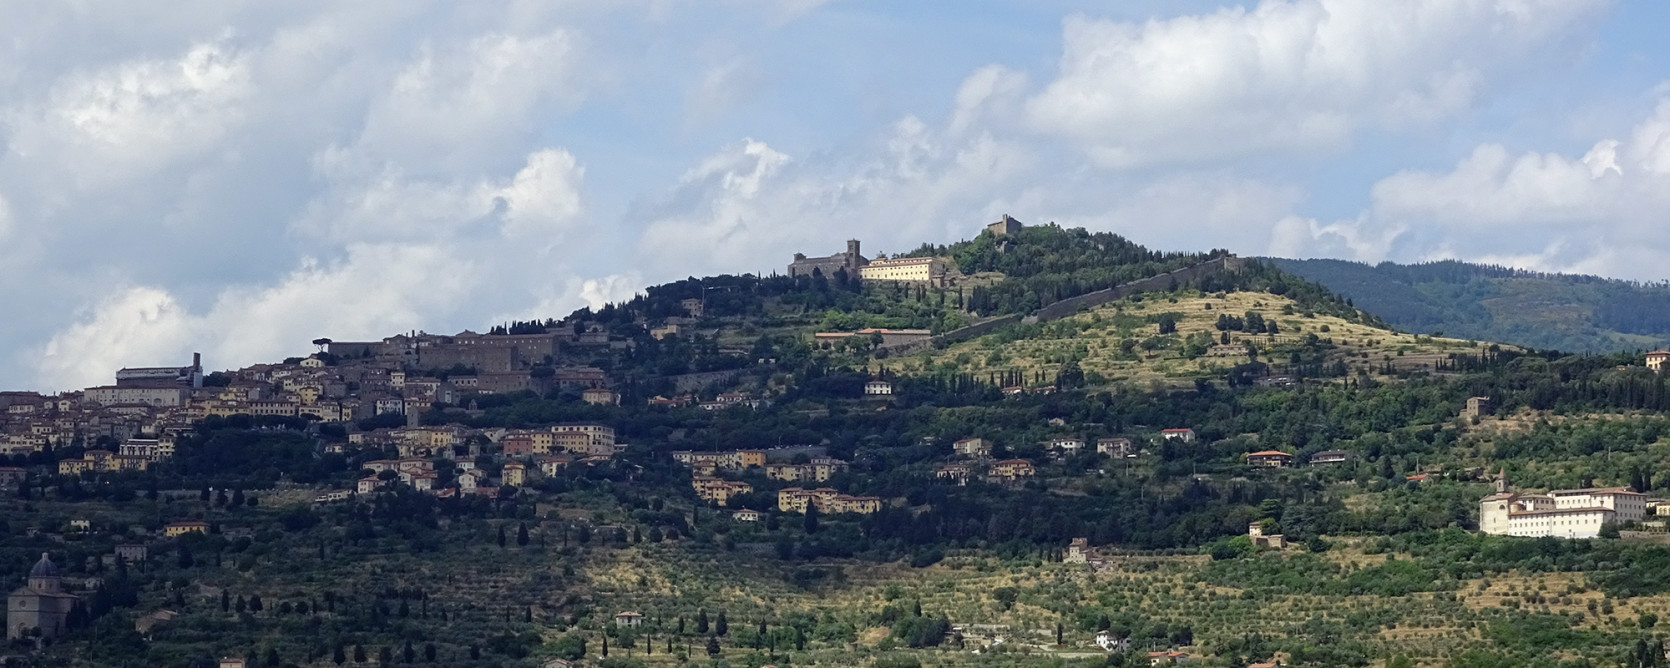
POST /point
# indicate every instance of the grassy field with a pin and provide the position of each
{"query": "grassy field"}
(1121, 342)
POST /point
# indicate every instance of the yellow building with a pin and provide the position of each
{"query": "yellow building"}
(910, 269)
(182, 528)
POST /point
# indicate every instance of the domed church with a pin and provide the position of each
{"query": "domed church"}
(41, 604)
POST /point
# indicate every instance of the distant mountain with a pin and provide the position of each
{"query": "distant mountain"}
(1559, 311)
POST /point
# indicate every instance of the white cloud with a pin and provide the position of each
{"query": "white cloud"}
(454, 104)
(1288, 75)
(1600, 214)
(749, 206)
(135, 116)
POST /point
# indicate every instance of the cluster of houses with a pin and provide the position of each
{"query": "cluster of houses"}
(788, 464)
(351, 381)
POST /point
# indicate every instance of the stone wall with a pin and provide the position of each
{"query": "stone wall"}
(1160, 283)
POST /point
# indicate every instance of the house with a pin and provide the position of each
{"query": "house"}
(598, 396)
(1255, 531)
(1477, 407)
(1068, 445)
(825, 500)
(1013, 391)
(1011, 469)
(1114, 447)
(1108, 641)
(1274, 663)
(332, 497)
(367, 484)
(232, 662)
(514, 473)
(1329, 457)
(629, 619)
(1078, 551)
(1656, 358)
(1269, 459)
(132, 553)
(182, 528)
(718, 491)
(954, 472)
(1418, 478)
(1184, 434)
(878, 388)
(1167, 658)
(974, 448)
(747, 515)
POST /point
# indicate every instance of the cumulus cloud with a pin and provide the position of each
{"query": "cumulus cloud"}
(750, 204)
(1599, 213)
(136, 115)
(441, 272)
(1286, 75)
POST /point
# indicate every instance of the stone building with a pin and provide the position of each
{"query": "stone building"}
(40, 605)
(850, 262)
(1004, 226)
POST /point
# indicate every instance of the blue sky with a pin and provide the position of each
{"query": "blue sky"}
(239, 178)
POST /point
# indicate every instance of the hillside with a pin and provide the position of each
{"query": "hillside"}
(1092, 460)
(1551, 311)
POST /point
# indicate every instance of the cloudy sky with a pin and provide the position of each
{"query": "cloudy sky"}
(240, 177)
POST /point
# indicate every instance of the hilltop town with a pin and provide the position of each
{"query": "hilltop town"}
(913, 460)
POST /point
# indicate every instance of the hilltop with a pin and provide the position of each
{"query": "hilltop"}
(1057, 447)
(1540, 310)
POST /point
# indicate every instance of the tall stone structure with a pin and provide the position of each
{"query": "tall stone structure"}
(850, 262)
(40, 605)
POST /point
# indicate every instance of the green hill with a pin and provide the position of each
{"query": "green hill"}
(1559, 311)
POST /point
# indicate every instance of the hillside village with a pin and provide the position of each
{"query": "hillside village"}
(684, 422)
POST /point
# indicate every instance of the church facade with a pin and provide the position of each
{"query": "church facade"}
(41, 606)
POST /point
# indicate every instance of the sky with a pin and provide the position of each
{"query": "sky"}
(240, 177)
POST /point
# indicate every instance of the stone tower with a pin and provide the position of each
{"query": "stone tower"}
(41, 605)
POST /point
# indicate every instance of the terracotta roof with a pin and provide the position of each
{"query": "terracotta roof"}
(1595, 490)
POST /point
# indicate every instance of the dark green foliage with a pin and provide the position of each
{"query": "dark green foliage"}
(1491, 303)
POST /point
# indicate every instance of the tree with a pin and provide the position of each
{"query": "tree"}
(359, 654)
(605, 646)
(701, 621)
(225, 600)
(255, 603)
(810, 524)
(429, 652)
(1648, 620)
(713, 645)
(339, 655)
(501, 540)
(721, 626)
(385, 655)
(522, 535)
(1609, 530)
(186, 560)
(408, 653)
(273, 659)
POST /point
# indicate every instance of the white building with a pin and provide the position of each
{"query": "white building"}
(1562, 513)
(878, 387)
